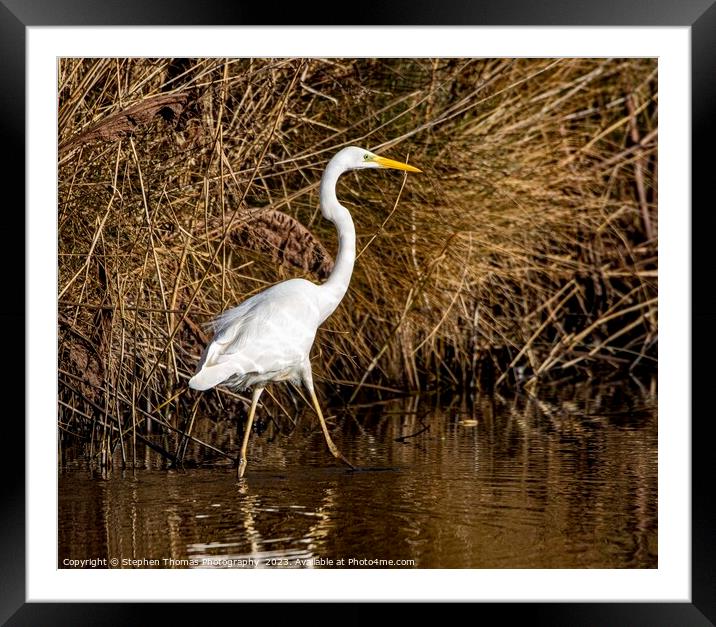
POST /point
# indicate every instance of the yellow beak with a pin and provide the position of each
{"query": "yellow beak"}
(395, 165)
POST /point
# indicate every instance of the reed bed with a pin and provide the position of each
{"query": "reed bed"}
(526, 251)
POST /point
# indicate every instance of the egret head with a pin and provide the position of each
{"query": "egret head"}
(350, 158)
(354, 158)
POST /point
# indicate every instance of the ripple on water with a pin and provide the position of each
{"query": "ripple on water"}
(513, 489)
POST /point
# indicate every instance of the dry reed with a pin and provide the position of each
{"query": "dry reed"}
(527, 250)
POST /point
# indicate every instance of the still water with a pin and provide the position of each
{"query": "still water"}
(564, 480)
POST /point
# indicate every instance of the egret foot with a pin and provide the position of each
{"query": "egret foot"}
(338, 455)
(345, 461)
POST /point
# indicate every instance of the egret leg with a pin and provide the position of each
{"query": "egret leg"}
(247, 433)
(331, 446)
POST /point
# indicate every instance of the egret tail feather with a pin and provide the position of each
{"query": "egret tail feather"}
(209, 376)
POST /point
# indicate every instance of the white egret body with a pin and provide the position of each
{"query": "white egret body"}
(269, 336)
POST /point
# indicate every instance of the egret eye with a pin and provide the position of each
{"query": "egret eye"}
(366, 156)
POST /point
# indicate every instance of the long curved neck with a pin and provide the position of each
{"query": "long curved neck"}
(333, 290)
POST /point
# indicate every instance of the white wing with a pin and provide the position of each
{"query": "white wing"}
(266, 338)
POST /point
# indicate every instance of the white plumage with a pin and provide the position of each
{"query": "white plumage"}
(269, 336)
(262, 339)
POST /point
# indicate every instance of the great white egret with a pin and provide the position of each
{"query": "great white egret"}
(269, 336)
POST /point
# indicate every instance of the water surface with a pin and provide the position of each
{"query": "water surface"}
(564, 480)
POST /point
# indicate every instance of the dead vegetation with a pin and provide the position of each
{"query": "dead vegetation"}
(527, 250)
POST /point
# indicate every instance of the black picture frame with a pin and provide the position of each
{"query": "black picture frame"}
(699, 15)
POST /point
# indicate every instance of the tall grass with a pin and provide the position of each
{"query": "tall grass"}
(527, 250)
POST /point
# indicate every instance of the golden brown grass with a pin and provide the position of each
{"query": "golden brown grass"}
(526, 250)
